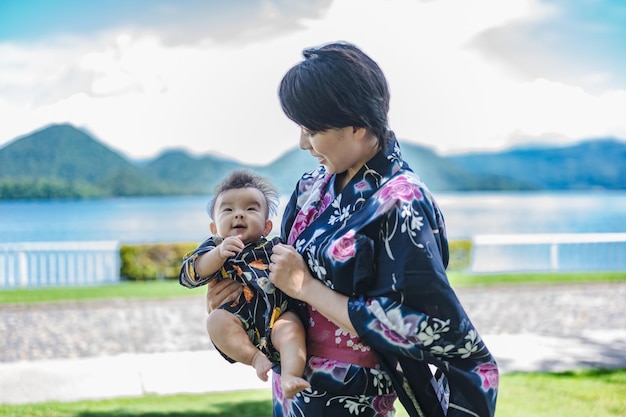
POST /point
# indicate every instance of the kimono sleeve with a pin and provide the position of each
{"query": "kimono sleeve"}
(411, 310)
(412, 317)
(188, 276)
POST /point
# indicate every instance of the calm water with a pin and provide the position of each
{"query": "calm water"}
(174, 219)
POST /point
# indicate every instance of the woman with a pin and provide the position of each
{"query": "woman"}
(367, 253)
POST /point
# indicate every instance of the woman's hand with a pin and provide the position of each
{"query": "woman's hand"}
(288, 271)
(220, 292)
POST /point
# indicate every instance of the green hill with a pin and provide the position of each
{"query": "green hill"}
(593, 164)
(189, 174)
(61, 161)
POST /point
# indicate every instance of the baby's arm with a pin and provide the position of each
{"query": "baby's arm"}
(210, 262)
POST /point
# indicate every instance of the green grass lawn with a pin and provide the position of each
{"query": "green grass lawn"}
(122, 290)
(171, 288)
(598, 393)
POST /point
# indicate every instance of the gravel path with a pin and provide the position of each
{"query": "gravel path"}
(88, 329)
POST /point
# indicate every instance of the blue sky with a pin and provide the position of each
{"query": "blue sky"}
(149, 75)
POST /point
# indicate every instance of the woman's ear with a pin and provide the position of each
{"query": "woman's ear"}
(268, 227)
(359, 132)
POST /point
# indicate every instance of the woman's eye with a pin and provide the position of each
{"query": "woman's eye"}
(308, 132)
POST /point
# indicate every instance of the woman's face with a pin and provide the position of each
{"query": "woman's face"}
(339, 149)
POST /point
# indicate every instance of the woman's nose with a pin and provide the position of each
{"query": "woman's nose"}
(305, 144)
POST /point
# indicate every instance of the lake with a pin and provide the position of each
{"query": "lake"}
(184, 219)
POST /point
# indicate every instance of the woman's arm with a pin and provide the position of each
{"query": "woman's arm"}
(289, 273)
(220, 292)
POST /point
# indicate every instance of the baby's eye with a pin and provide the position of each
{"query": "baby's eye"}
(252, 209)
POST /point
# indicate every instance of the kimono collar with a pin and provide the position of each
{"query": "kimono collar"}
(378, 170)
(389, 160)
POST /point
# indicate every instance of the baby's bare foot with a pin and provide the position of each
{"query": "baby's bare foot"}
(292, 385)
(262, 365)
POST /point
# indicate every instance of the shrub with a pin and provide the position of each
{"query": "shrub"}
(153, 261)
(144, 262)
(460, 255)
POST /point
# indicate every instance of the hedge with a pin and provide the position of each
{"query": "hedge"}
(146, 262)
(153, 261)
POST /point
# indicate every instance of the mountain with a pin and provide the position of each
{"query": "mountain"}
(61, 152)
(288, 168)
(593, 164)
(61, 161)
(443, 174)
(189, 173)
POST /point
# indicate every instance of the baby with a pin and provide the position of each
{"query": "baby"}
(259, 327)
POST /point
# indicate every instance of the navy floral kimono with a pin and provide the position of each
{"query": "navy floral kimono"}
(382, 242)
(260, 303)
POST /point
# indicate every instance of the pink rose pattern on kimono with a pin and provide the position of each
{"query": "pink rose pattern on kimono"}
(362, 186)
(322, 364)
(302, 220)
(383, 405)
(311, 208)
(388, 204)
(343, 248)
(396, 192)
(336, 369)
(389, 334)
(489, 375)
(400, 188)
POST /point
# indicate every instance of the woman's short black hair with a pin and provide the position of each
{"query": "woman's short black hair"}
(336, 85)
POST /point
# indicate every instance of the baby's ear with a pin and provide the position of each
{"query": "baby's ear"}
(213, 228)
(268, 227)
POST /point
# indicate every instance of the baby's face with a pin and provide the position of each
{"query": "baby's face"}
(241, 212)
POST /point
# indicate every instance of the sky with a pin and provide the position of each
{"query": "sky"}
(146, 76)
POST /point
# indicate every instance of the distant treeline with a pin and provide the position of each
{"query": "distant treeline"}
(61, 161)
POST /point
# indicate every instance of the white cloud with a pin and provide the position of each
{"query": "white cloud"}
(140, 94)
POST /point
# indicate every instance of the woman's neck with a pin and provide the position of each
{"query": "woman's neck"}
(342, 179)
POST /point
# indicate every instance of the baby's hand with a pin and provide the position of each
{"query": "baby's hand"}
(230, 246)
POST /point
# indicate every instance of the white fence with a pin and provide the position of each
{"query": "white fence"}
(38, 264)
(549, 252)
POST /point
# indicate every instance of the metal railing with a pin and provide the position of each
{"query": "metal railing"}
(39, 264)
(566, 252)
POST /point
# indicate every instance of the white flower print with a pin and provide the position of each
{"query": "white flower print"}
(381, 381)
(341, 335)
(355, 405)
(299, 244)
(471, 346)
(339, 214)
(442, 350)
(412, 222)
(428, 334)
(314, 263)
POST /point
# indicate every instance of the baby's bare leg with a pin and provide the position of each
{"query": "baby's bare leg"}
(229, 336)
(289, 339)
